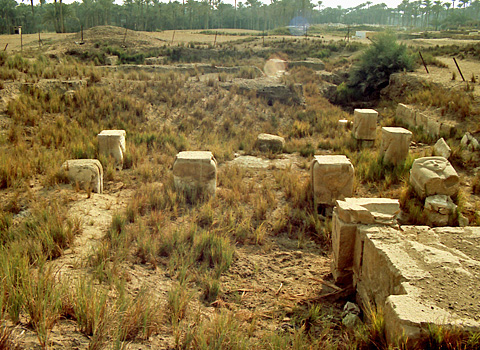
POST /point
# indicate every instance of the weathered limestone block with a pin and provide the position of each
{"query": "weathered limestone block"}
(439, 209)
(347, 215)
(469, 142)
(433, 175)
(441, 149)
(195, 172)
(433, 127)
(395, 144)
(111, 60)
(421, 120)
(87, 173)
(268, 142)
(332, 178)
(406, 114)
(112, 143)
(365, 124)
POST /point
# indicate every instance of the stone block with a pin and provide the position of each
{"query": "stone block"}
(421, 120)
(112, 143)
(406, 114)
(270, 143)
(383, 210)
(86, 173)
(434, 175)
(441, 149)
(439, 209)
(332, 178)
(195, 172)
(395, 144)
(343, 242)
(433, 127)
(365, 124)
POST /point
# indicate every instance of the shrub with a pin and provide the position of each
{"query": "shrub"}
(372, 73)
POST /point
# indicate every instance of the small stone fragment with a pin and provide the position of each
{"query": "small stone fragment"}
(442, 149)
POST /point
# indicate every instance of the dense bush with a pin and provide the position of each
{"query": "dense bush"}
(372, 72)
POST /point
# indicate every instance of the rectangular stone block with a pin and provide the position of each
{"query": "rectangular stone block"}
(433, 175)
(87, 173)
(195, 171)
(395, 144)
(365, 124)
(343, 242)
(406, 114)
(421, 120)
(332, 178)
(112, 143)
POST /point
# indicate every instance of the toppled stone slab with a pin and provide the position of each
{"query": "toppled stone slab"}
(112, 143)
(441, 149)
(395, 144)
(365, 124)
(86, 173)
(332, 178)
(312, 63)
(252, 162)
(195, 172)
(434, 175)
(270, 89)
(270, 143)
(329, 77)
(190, 68)
(419, 276)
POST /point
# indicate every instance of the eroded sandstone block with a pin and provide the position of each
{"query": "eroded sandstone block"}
(86, 173)
(395, 144)
(406, 114)
(112, 143)
(268, 142)
(332, 178)
(195, 172)
(441, 149)
(433, 175)
(365, 124)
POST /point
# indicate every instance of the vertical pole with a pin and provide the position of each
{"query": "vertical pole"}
(81, 30)
(173, 36)
(39, 39)
(5, 49)
(454, 60)
(125, 37)
(215, 40)
(264, 38)
(21, 40)
(424, 64)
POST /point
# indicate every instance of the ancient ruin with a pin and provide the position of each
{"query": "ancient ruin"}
(195, 172)
(112, 143)
(433, 175)
(85, 173)
(365, 124)
(395, 144)
(332, 178)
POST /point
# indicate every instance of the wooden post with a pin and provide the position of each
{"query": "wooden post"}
(173, 36)
(81, 31)
(5, 49)
(424, 64)
(21, 40)
(215, 40)
(454, 60)
(39, 39)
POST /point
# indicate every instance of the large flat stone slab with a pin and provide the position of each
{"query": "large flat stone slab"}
(420, 276)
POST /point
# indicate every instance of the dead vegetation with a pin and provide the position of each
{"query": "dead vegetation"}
(246, 269)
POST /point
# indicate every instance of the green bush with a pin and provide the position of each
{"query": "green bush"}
(372, 73)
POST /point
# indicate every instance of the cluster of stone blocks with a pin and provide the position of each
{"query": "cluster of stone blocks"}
(88, 173)
(430, 125)
(435, 180)
(418, 275)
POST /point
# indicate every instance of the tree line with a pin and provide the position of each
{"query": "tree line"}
(153, 15)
